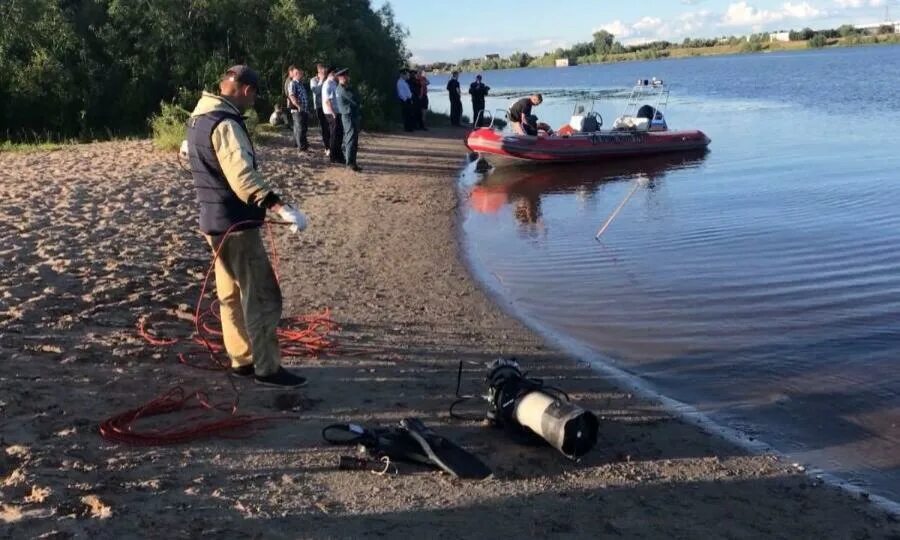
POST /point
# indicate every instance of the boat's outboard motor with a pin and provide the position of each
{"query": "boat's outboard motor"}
(590, 124)
(655, 118)
(527, 405)
(646, 111)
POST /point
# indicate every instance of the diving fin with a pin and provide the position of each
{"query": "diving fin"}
(445, 454)
(412, 442)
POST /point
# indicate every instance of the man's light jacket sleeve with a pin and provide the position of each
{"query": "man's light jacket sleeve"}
(235, 153)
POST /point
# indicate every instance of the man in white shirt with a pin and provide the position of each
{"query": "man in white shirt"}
(404, 94)
(315, 87)
(329, 97)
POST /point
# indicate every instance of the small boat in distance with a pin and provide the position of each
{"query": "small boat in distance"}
(641, 130)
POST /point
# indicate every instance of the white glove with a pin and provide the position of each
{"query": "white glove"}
(293, 216)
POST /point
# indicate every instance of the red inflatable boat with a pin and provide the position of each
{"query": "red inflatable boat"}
(600, 145)
(640, 131)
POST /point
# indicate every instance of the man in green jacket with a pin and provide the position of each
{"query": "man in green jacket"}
(351, 116)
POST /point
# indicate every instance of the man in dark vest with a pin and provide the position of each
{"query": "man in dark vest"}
(234, 198)
(455, 99)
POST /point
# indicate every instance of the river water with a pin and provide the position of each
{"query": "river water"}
(759, 282)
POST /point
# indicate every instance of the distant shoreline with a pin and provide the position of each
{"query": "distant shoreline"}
(718, 50)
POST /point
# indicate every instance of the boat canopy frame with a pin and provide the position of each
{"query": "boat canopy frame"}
(655, 88)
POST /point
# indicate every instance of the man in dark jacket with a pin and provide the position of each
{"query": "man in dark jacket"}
(455, 99)
(234, 198)
(478, 90)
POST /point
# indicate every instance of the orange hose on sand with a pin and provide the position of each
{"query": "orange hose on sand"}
(305, 335)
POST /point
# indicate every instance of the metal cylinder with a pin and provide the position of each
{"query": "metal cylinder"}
(567, 427)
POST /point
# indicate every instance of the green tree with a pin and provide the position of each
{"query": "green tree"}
(817, 41)
(85, 67)
(847, 30)
(38, 92)
(603, 42)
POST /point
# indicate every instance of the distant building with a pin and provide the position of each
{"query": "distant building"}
(492, 56)
(780, 36)
(875, 27)
(565, 62)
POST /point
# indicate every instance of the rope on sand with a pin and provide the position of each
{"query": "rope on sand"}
(305, 335)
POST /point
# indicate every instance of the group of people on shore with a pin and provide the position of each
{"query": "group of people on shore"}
(412, 92)
(336, 106)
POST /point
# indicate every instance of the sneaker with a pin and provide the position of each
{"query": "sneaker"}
(354, 167)
(242, 371)
(282, 379)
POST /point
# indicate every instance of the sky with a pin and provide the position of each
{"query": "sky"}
(442, 30)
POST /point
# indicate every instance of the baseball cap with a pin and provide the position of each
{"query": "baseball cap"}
(342, 71)
(242, 74)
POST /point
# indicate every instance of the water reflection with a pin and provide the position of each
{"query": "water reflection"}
(524, 186)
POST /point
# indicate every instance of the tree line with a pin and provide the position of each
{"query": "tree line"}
(96, 68)
(604, 47)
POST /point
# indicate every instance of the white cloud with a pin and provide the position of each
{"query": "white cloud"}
(551, 44)
(650, 29)
(692, 22)
(464, 40)
(648, 24)
(802, 11)
(617, 28)
(855, 4)
(743, 14)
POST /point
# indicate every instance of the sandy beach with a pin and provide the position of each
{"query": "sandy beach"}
(95, 237)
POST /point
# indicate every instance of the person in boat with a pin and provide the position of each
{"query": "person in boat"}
(523, 122)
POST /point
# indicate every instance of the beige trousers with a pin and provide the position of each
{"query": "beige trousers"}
(249, 301)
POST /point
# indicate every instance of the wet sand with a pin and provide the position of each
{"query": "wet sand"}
(94, 237)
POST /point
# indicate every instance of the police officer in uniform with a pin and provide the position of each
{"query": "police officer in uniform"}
(349, 108)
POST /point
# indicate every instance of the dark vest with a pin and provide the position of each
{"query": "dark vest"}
(220, 208)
